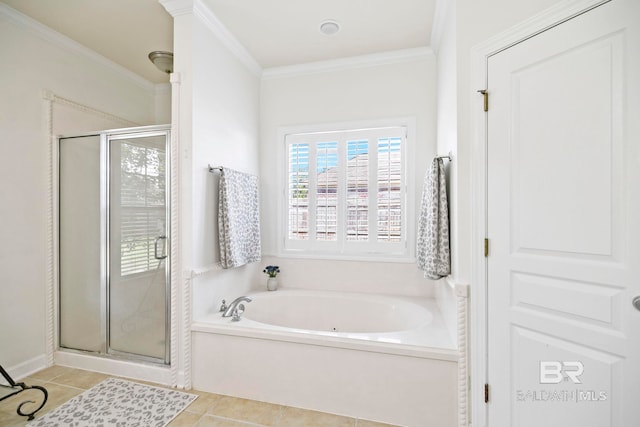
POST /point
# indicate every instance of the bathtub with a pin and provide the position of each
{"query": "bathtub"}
(382, 358)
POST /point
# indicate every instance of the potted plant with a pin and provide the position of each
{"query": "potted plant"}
(272, 271)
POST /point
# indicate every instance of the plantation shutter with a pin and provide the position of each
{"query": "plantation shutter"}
(345, 192)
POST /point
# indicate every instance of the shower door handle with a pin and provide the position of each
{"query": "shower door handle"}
(155, 247)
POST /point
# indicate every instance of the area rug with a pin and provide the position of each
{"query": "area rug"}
(118, 403)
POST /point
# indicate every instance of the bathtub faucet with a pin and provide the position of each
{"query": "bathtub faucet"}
(232, 307)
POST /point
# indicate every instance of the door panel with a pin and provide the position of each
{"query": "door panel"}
(137, 249)
(563, 201)
(81, 295)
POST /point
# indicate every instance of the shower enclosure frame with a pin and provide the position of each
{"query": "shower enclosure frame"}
(106, 136)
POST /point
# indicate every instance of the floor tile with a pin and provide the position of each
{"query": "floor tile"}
(52, 372)
(295, 417)
(81, 379)
(211, 421)
(365, 423)
(262, 413)
(185, 419)
(208, 410)
(203, 403)
(58, 394)
(9, 406)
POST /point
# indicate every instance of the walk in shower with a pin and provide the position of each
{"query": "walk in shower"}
(113, 231)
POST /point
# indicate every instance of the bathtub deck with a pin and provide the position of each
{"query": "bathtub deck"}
(408, 383)
(429, 341)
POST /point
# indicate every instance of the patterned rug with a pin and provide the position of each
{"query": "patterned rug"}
(116, 402)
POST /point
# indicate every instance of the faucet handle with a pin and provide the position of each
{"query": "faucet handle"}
(237, 313)
(223, 307)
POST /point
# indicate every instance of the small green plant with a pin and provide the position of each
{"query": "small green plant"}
(271, 270)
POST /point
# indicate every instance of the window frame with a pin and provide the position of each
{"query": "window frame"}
(403, 251)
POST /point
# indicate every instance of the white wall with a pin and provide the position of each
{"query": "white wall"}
(39, 59)
(404, 89)
(218, 126)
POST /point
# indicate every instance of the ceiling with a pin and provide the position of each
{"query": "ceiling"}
(275, 32)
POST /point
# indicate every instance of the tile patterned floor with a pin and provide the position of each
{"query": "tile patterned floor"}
(208, 410)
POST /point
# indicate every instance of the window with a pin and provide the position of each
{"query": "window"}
(142, 211)
(346, 193)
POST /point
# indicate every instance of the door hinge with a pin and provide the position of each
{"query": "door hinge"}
(486, 247)
(486, 393)
(485, 95)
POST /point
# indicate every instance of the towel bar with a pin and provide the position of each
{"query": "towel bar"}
(448, 156)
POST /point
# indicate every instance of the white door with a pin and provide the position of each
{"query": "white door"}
(564, 224)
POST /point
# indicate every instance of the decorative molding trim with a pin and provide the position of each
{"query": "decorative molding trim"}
(186, 335)
(549, 18)
(50, 96)
(226, 37)
(64, 42)
(200, 10)
(361, 61)
(177, 7)
(51, 227)
(479, 55)
(176, 268)
(463, 361)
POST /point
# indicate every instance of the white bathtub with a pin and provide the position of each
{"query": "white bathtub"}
(382, 358)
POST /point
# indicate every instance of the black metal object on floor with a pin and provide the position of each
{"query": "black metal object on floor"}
(6, 391)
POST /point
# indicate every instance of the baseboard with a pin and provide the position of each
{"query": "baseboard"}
(27, 368)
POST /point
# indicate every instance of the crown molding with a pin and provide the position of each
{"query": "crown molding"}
(439, 20)
(200, 10)
(226, 37)
(49, 35)
(361, 61)
(177, 7)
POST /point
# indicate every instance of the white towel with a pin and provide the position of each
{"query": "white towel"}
(432, 249)
(238, 219)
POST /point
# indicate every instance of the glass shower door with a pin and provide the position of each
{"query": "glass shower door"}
(138, 270)
(81, 236)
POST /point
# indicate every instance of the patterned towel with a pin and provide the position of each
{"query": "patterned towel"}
(238, 219)
(432, 249)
